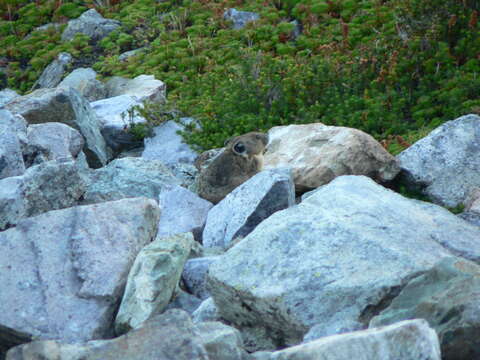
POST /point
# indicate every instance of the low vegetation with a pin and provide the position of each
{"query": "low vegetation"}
(393, 68)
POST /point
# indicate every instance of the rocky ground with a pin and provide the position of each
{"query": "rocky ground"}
(106, 251)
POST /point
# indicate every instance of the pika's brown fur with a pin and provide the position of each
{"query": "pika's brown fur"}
(241, 159)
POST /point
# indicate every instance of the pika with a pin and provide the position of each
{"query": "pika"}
(241, 159)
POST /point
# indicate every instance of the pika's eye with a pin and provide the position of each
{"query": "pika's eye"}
(239, 148)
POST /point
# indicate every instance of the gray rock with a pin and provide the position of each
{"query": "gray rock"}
(207, 311)
(53, 141)
(334, 258)
(45, 187)
(319, 331)
(407, 340)
(92, 24)
(182, 211)
(445, 165)
(152, 280)
(195, 275)
(128, 54)
(249, 204)
(448, 297)
(7, 95)
(63, 272)
(128, 177)
(240, 18)
(168, 146)
(221, 341)
(164, 337)
(84, 81)
(53, 73)
(11, 157)
(143, 88)
(67, 106)
(184, 301)
(117, 115)
(186, 173)
(470, 216)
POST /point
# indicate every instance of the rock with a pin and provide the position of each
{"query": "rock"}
(11, 157)
(184, 301)
(7, 95)
(143, 88)
(186, 174)
(221, 341)
(319, 331)
(195, 275)
(92, 24)
(471, 217)
(152, 280)
(53, 141)
(67, 106)
(53, 73)
(168, 336)
(240, 18)
(123, 57)
(472, 202)
(17, 124)
(318, 153)
(84, 80)
(445, 165)
(63, 272)
(248, 205)
(128, 177)
(182, 211)
(448, 297)
(44, 187)
(407, 340)
(168, 146)
(117, 115)
(207, 311)
(334, 258)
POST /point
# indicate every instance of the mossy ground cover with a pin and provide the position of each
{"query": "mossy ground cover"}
(393, 68)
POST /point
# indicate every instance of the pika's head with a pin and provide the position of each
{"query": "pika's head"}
(248, 145)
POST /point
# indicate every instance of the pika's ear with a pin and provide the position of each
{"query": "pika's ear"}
(228, 141)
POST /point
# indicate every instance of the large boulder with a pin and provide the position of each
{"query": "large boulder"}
(84, 80)
(53, 73)
(168, 336)
(240, 18)
(128, 177)
(143, 88)
(445, 165)
(168, 146)
(63, 272)
(44, 187)
(448, 297)
(11, 157)
(53, 141)
(152, 280)
(67, 106)
(248, 205)
(334, 258)
(318, 153)
(407, 340)
(92, 24)
(194, 275)
(182, 211)
(117, 115)
(7, 95)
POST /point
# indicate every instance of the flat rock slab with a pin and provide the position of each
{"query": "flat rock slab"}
(63, 272)
(84, 81)
(334, 258)
(128, 177)
(448, 297)
(165, 337)
(445, 165)
(53, 73)
(143, 88)
(318, 153)
(407, 340)
(67, 106)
